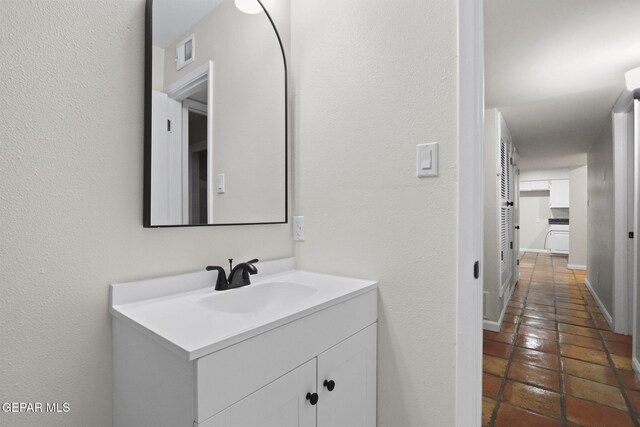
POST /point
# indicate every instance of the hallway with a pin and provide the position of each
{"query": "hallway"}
(555, 361)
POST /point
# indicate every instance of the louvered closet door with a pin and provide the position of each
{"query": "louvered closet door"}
(505, 213)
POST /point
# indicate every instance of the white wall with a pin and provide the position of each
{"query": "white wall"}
(578, 217)
(600, 249)
(535, 211)
(374, 78)
(71, 203)
(544, 174)
(534, 220)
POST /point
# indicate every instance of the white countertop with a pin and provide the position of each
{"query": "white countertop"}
(182, 320)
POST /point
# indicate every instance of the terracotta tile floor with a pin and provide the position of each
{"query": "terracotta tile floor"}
(555, 361)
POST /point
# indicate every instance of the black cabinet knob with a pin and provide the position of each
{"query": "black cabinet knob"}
(312, 398)
(329, 384)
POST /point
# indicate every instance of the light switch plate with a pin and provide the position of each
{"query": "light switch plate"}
(427, 160)
(221, 185)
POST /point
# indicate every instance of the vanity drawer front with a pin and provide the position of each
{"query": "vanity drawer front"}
(227, 376)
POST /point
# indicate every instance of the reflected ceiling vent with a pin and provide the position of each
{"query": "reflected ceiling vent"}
(185, 52)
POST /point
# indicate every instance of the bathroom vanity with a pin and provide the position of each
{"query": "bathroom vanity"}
(292, 349)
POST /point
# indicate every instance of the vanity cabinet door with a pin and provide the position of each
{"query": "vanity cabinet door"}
(282, 403)
(351, 365)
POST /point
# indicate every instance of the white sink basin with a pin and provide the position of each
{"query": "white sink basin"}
(186, 314)
(257, 298)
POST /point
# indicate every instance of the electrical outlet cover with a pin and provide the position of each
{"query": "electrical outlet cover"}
(298, 228)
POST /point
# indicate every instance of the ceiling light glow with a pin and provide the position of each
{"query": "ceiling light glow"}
(633, 79)
(250, 7)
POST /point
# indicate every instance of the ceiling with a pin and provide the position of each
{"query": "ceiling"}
(172, 18)
(555, 69)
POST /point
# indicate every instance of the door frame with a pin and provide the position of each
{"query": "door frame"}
(622, 316)
(636, 224)
(184, 87)
(200, 108)
(468, 363)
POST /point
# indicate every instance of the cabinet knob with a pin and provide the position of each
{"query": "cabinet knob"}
(312, 398)
(329, 384)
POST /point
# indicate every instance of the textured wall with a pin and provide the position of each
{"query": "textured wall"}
(578, 216)
(535, 211)
(372, 80)
(71, 156)
(534, 220)
(600, 217)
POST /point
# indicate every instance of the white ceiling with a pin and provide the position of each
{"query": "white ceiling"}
(172, 18)
(555, 68)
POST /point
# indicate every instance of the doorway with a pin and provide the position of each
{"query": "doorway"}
(471, 110)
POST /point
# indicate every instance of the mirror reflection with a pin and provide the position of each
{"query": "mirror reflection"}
(216, 149)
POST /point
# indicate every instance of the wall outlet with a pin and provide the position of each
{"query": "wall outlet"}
(298, 228)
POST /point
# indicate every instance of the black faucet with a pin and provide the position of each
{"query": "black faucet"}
(238, 277)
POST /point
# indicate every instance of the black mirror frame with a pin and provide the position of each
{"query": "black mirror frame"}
(148, 58)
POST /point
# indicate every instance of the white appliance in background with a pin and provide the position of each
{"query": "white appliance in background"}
(559, 238)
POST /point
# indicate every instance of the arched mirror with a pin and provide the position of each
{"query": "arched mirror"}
(215, 114)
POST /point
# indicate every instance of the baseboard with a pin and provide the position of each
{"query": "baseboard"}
(492, 325)
(576, 267)
(542, 251)
(604, 311)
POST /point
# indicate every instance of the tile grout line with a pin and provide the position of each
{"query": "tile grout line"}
(563, 402)
(503, 383)
(613, 367)
(565, 287)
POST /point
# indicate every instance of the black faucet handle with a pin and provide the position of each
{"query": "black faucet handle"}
(249, 268)
(221, 281)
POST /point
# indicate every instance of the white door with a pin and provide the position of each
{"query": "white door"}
(516, 217)
(282, 403)
(347, 382)
(505, 217)
(166, 157)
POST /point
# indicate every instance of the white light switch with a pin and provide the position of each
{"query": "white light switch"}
(427, 160)
(220, 183)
